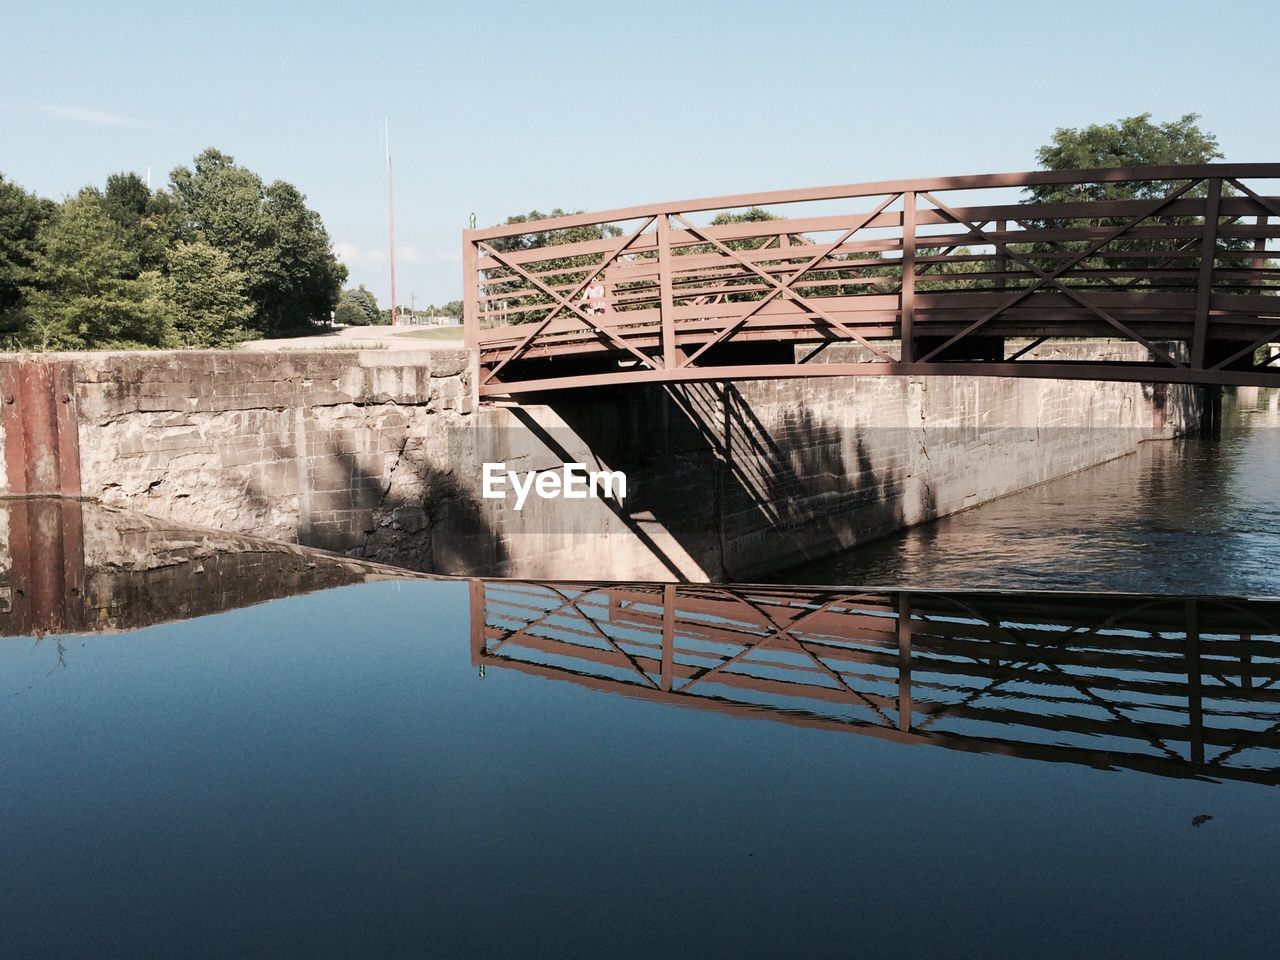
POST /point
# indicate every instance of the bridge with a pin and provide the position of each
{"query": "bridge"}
(974, 275)
(1172, 686)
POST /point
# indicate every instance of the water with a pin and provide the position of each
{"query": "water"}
(216, 747)
(1182, 516)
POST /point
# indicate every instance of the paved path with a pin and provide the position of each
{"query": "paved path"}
(356, 338)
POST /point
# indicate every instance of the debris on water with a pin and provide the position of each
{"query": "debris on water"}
(1200, 819)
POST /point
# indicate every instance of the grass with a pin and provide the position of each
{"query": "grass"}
(434, 333)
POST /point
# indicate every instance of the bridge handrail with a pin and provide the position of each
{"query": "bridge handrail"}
(1030, 178)
(673, 289)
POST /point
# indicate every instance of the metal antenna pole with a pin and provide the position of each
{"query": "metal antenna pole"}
(391, 220)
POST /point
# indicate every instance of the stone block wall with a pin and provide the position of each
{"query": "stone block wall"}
(378, 454)
(297, 447)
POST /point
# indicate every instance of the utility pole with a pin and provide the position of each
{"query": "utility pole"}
(391, 220)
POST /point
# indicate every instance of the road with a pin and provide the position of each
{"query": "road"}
(364, 338)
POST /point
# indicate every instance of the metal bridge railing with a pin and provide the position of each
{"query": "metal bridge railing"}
(915, 273)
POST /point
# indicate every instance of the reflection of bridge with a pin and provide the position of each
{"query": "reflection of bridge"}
(1173, 686)
(925, 277)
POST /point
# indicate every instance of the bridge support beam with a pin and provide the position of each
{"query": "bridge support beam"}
(1211, 412)
(908, 296)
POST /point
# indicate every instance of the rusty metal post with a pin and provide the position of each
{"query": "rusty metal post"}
(1204, 288)
(1195, 706)
(667, 304)
(41, 428)
(668, 634)
(1002, 262)
(904, 661)
(1259, 256)
(46, 548)
(478, 619)
(908, 295)
(470, 294)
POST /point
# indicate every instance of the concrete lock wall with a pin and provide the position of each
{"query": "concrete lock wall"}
(378, 454)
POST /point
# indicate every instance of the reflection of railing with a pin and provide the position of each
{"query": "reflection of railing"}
(928, 273)
(1173, 686)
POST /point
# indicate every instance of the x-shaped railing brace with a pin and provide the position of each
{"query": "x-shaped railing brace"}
(567, 303)
(785, 289)
(1047, 279)
(1051, 279)
(786, 634)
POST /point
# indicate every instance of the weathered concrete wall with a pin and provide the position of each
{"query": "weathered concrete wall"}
(737, 481)
(379, 454)
(292, 446)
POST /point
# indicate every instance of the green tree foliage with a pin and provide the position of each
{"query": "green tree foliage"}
(87, 290)
(269, 234)
(205, 297)
(358, 308)
(451, 309)
(1128, 142)
(128, 266)
(152, 222)
(349, 314)
(22, 216)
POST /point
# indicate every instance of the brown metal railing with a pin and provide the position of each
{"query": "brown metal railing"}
(921, 275)
(1168, 685)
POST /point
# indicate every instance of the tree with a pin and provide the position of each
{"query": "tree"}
(126, 199)
(87, 290)
(451, 309)
(358, 308)
(1128, 142)
(205, 297)
(269, 235)
(152, 222)
(304, 277)
(22, 217)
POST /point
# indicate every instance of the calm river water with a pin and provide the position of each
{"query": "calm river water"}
(1182, 516)
(215, 748)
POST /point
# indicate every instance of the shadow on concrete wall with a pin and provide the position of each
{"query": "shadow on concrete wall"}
(742, 496)
(421, 519)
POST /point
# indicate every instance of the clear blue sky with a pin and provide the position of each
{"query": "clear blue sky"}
(501, 107)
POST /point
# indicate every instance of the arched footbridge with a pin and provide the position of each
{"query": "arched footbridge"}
(985, 275)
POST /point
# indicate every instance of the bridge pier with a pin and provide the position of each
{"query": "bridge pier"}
(1211, 412)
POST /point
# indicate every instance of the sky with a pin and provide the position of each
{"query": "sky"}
(501, 107)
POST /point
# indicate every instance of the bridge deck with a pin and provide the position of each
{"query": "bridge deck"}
(963, 275)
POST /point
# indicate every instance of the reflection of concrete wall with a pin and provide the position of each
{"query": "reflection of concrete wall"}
(72, 567)
(379, 454)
